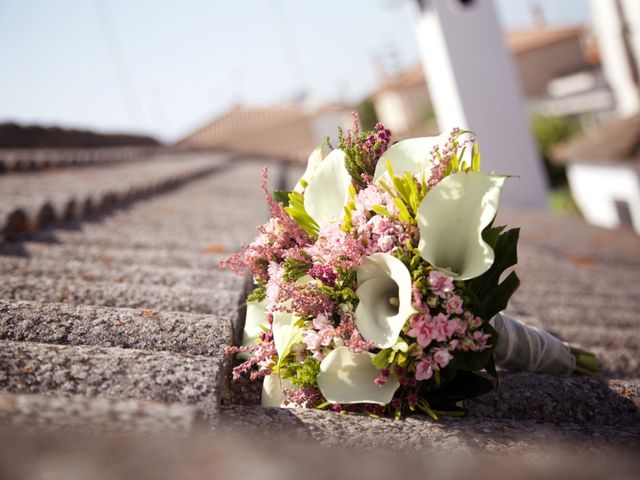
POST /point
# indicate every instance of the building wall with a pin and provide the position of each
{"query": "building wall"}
(537, 67)
(597, 188)
(402, 110)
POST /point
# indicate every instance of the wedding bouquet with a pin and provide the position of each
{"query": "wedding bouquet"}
(379, 282)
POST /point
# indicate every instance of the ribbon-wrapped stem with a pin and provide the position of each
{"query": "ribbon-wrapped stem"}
(524, 348)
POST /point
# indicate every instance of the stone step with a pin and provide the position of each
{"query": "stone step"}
(60, 323)
(117, 373)
(488, 451)
(27, 159)
(208, 258)
(420, 433)
(100, 415)
(123, 295)
(561, 399)
(93, 271)
(45, 198)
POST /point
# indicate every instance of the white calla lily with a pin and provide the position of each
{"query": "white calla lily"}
(256, 315)
(273, 390)
(312, 165)
(328, 189)
(451, 218)
(411, 155)
(348, 377)
(385, 299)
(285, 333)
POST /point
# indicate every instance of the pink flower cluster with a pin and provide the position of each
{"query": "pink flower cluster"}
(444, 328)
(321, 336)
(379, 233)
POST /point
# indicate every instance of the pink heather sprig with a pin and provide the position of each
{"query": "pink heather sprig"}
(325, 273)
(302, 397)
(275, 238)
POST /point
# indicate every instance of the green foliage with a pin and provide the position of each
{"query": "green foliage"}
(406, 193)
(301, 374)
(294, 269)
(299, 214)
(281, 196)
(492, 295)
(257, 294)
(548, 132)
(367, 114)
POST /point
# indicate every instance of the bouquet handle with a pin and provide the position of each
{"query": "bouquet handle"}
(524, 348)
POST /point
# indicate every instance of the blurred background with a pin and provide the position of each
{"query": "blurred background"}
(274, 77)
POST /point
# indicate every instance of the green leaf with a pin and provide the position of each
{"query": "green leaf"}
(381, 360)
(297, 211)
(281, 196)
(494, 296)
(380, 210)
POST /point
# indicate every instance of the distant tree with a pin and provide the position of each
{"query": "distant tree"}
(548, 132)
(367, 113)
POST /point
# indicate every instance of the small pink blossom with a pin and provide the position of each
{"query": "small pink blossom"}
(424, 370)
(421, 329)
(453, 305)
(440, 284)
(442, 357)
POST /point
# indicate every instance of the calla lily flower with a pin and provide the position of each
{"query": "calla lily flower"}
(273, 390)
(328, 189)
(285, 333)
(312, 165)
(348, 377)
(256, 316)
(385, 299)
(451, 218)
(411, 155)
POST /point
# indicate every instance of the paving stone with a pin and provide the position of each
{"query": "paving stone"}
(47, 197)
(125, 272)
(207, 258)
(102, 415)
(56, 456)
(107, 294)
(117, 373)
(561, 399)
(109, 327)
(420, 433)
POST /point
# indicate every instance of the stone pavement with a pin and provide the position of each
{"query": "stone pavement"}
(116, 324)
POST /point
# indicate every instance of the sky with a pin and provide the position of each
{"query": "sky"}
(165, 67)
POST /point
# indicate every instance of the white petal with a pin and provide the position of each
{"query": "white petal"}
(328, 189)
(383, 279)
(347, 377)
(411, 155)
(256, 316)
(451, 218)
(312, 164)
(285, 333)
(272, 390)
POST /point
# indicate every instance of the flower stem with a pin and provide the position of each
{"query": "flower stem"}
(586, 362)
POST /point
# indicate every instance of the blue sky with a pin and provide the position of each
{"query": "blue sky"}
(165, 66)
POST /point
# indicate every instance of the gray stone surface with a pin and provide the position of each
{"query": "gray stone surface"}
(95, 269)
(46, 197)
(110, 327)
(110, 294)
(117, 255)
(420, 433)
(102, 415)
(117, 373)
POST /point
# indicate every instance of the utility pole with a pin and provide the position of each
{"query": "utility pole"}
(473, 85)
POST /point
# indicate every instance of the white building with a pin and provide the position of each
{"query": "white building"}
(603, 169)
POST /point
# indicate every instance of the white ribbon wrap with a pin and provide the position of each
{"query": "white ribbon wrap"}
(524, 348)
